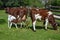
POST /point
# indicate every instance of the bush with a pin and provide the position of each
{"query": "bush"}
(1, 3)
(55, 3)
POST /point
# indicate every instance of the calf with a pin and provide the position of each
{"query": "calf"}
(12, 20)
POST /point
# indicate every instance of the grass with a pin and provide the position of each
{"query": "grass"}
(24, 33)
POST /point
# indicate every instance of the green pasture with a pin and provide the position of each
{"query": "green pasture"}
(25, 33)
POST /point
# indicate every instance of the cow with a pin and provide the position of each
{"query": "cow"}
(42, 14)
(16, 15)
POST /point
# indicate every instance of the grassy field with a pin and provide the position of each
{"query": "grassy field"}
(24, 33)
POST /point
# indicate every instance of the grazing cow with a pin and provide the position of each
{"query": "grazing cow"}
(42, 14)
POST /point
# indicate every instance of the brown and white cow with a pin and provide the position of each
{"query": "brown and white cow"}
(42, 14)
(16, 15)
(12, 16)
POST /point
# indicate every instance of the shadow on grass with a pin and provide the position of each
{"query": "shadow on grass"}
(2, 21)
(18, 25)
(40, 27)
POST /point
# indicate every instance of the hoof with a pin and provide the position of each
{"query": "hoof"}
(16, 27)
(46, 29)
(34, 30)
(9, 27)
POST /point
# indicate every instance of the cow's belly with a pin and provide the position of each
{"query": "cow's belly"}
(37, 16)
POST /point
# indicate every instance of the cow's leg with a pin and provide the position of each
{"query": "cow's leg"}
(21, 24)
(46, 23)
(16, 25)
(34, 22)
(10, 25)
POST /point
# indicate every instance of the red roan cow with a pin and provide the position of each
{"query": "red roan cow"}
(15, 15)
(42, 14)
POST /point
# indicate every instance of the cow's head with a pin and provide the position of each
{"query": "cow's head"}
(52, 21)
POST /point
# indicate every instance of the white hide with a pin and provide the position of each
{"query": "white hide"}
(10, 18)
(34, 25)
(46, 23)
(49, 13)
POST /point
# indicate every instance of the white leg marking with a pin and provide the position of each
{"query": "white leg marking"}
(46, 23)
(21, 24)
(10, 25)
(34, 25)
(16, 25)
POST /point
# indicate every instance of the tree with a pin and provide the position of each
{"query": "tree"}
(1, 3)
(12, 3)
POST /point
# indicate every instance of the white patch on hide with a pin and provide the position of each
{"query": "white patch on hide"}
(37, 16)
(34, 25)
(10, 18)
(50, 13)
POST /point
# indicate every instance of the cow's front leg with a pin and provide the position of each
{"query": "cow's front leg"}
(46, 23)
(10, 25)
(34, 22)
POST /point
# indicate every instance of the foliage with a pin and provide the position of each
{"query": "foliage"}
(1, 3)
(55, 2)
(58, 2)
(22, 3)
(36, 3)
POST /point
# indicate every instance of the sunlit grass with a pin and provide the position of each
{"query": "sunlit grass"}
(25, 33)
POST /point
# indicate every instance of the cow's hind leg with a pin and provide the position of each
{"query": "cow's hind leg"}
(46, 23)
(21, 24)
(34, 22)
(16, 25)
